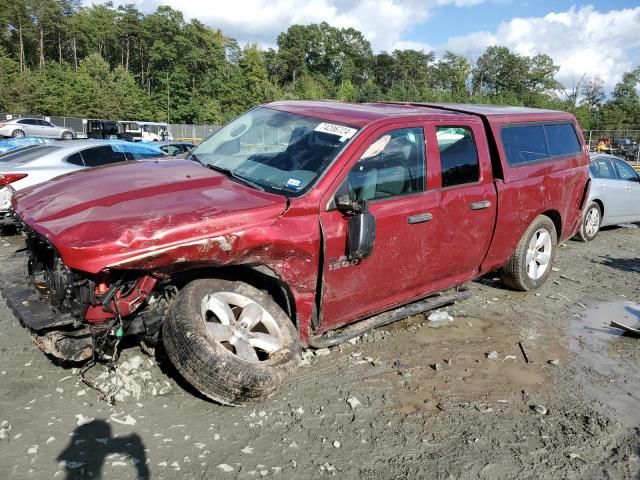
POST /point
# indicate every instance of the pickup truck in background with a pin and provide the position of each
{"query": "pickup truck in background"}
(299, 223)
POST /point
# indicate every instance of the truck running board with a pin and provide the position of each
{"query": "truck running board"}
(333, 338)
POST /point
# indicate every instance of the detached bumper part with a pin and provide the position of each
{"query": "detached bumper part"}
(71, 346)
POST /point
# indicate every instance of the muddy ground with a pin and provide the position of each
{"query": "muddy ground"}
(413, 400)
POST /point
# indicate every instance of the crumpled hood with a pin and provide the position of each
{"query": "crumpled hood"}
(104, 216)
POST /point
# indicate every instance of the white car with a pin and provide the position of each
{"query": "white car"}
(38, 163)
(614, 197)
(34, 127)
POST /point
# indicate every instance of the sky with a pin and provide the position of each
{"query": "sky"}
(596, 38)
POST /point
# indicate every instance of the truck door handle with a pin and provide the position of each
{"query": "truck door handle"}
(420, 218)
(480, 205)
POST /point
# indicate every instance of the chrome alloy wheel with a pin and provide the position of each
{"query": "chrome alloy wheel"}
(538, 254)
(592, 221)
(241, 325)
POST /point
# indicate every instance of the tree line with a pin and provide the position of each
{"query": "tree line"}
(60, 58)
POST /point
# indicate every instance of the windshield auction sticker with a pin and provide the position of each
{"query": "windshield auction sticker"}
(338, 130)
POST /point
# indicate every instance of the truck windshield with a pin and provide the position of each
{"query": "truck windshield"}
(276, 150)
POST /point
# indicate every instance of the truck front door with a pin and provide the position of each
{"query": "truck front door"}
(433, 224)
(389, 173)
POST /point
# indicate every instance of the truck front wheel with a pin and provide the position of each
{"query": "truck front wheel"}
(530, 264)
(231, 341)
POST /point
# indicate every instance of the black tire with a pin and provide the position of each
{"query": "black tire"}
(515, 273)
(17, 133)
(585, 233)
(67, 136)
(209, 366)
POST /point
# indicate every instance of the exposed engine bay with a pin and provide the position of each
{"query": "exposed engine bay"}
(89, 315)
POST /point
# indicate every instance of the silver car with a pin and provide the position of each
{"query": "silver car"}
(34, 127)
(614, 197)
(39, 163)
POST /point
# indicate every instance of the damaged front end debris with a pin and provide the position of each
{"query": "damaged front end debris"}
(76, 317)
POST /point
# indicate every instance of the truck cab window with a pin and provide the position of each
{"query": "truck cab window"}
(562, 139)
(392, 165)
(524, 143)
(458, 156)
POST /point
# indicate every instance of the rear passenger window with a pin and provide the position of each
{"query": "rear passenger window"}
(562, 139)
(94, 157)
(458, 156)
(75, 159)
(602, 168)
(524, 143)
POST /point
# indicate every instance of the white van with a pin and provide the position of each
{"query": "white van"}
(146, 131)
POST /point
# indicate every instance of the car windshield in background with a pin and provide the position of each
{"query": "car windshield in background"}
(279, 151)
(26, 154)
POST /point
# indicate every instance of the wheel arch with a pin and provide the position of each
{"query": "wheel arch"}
(601, 205)
(556, 218)
(259, 276)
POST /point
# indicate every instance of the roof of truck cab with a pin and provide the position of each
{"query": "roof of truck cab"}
(361, 114)
(503, 114)
(356, 114)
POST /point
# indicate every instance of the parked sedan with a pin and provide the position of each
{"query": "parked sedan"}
(36, 164)
(21, 127)
(614, 197)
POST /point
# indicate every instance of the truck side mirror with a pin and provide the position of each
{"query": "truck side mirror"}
(347, 206)
(361, 232)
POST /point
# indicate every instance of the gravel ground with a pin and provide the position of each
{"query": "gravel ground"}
(515, 386)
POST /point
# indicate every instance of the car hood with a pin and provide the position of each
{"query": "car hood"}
(105, 216)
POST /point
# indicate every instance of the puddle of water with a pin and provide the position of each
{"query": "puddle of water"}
(605, 357)
(464, 373)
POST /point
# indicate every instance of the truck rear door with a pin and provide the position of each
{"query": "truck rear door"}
(467, 203)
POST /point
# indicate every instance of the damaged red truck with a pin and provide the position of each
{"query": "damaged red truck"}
(297, 224)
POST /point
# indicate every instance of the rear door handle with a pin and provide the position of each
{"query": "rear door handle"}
(420, 218)
(480, 205)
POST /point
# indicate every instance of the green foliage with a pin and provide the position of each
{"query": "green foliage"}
(9, 71)
(60, 57)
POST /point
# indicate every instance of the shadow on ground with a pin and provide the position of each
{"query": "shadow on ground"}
(624, 264)
(91, 443)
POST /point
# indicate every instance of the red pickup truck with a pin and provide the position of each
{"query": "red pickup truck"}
(299, 223)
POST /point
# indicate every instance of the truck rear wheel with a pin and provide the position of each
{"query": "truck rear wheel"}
(231, 341)
(530, 264)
